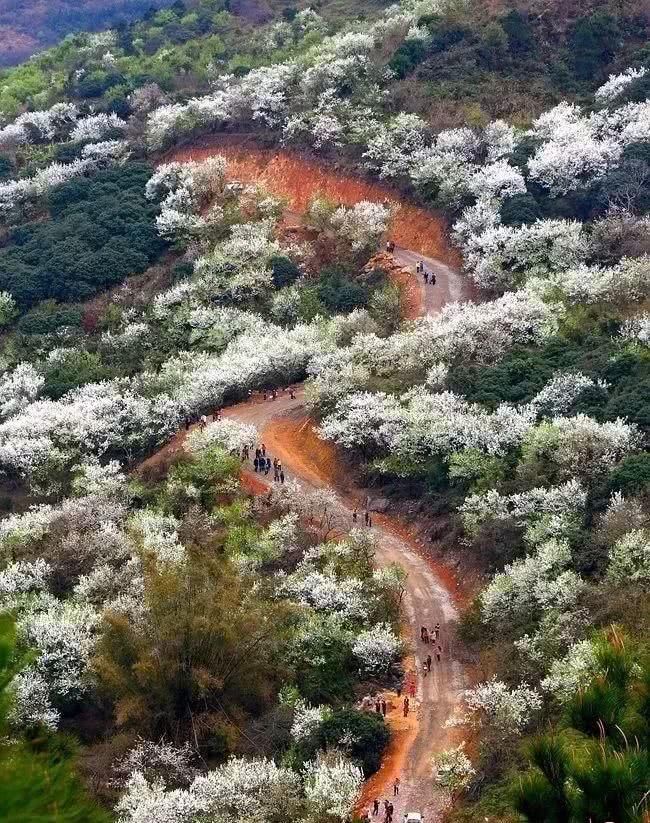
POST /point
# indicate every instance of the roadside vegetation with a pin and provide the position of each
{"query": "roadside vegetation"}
(203, 645)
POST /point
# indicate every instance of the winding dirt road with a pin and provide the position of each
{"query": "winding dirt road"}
(285, 428)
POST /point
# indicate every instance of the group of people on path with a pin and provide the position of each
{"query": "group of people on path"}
(431, 636)
(262, 463)
(389, 808)
(429, 276)
(367, 518)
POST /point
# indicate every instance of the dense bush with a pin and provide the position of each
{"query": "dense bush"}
(101, 230)
(367, 731)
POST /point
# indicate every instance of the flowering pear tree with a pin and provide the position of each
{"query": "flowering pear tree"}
(453, 771)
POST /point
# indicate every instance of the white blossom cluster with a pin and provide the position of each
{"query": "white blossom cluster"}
(560, 393)
(503, 256)
(96, 127)
(33, 126)
(629, 559)
(377, 649)
(185, 188)
(453, 770)
(637, 330)
(617, 83)
(538, 583)
(505, 711)
(306, 720)
(249, 790)
(561, 501)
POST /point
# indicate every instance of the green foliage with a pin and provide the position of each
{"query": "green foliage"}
(47, 317)
(37, 781)
(591, 44)
(367, 731)
(523, 372)
(339, 293)
(207, 650)
(285, 271)
(597, 767)
(209, 472)
(76, 369)
(632, 475)
(102, 229)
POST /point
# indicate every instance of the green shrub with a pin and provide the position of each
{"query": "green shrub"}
(367, 731)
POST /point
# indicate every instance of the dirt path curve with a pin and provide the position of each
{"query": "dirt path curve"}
(286, 429)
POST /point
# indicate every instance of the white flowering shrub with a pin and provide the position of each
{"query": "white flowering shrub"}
(497, 180)
(8, 308)
(63, 634)
(637, 330)
(579, 447)
(362, 225)
(453, 771)
(229, 434)
(504, 711)
(628, 281)
(506, 255)
(377, 649)
(325, 593)
(96, 127)
(158, 536)
(560, 393)
(571, 672)
(391, 148)
(538, 583)
(573, 154)
(332, 787)
(307, 719)
(616, 84)
(32, 702)
(629, 559)
(158, 761)
(19, 388)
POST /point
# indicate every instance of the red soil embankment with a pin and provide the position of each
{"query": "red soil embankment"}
(288, 174)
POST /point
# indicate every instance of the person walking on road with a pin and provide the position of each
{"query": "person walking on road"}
(281, 476)
(438, 653)
(396, 787)
(267, 468)
(425, 274)
(433, 279)
(375, 807)
(355, 515)
(429, 662)
(256, 463)
(384, 708)
(406, 707)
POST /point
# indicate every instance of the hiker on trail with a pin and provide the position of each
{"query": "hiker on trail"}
(366, 517)
(419, 267)
(433, 279)
(203, 422)
(425, 670)
(396, 787)
(274, 394)
(256, 463)
(292, 393)
(245, 453)
(438, 653)
(375, 806)
(423, 633)
(436, 631)
(276, 474)
(378, 706)
(187, 423)
(391, 810)
(263, 450)
(218, 415)
(406, 707)
(369, 523)
(268, 465)
(384, 708)
(281, 476)
(425, 274)
(354, 516)
(265, 394)
(429, 662)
